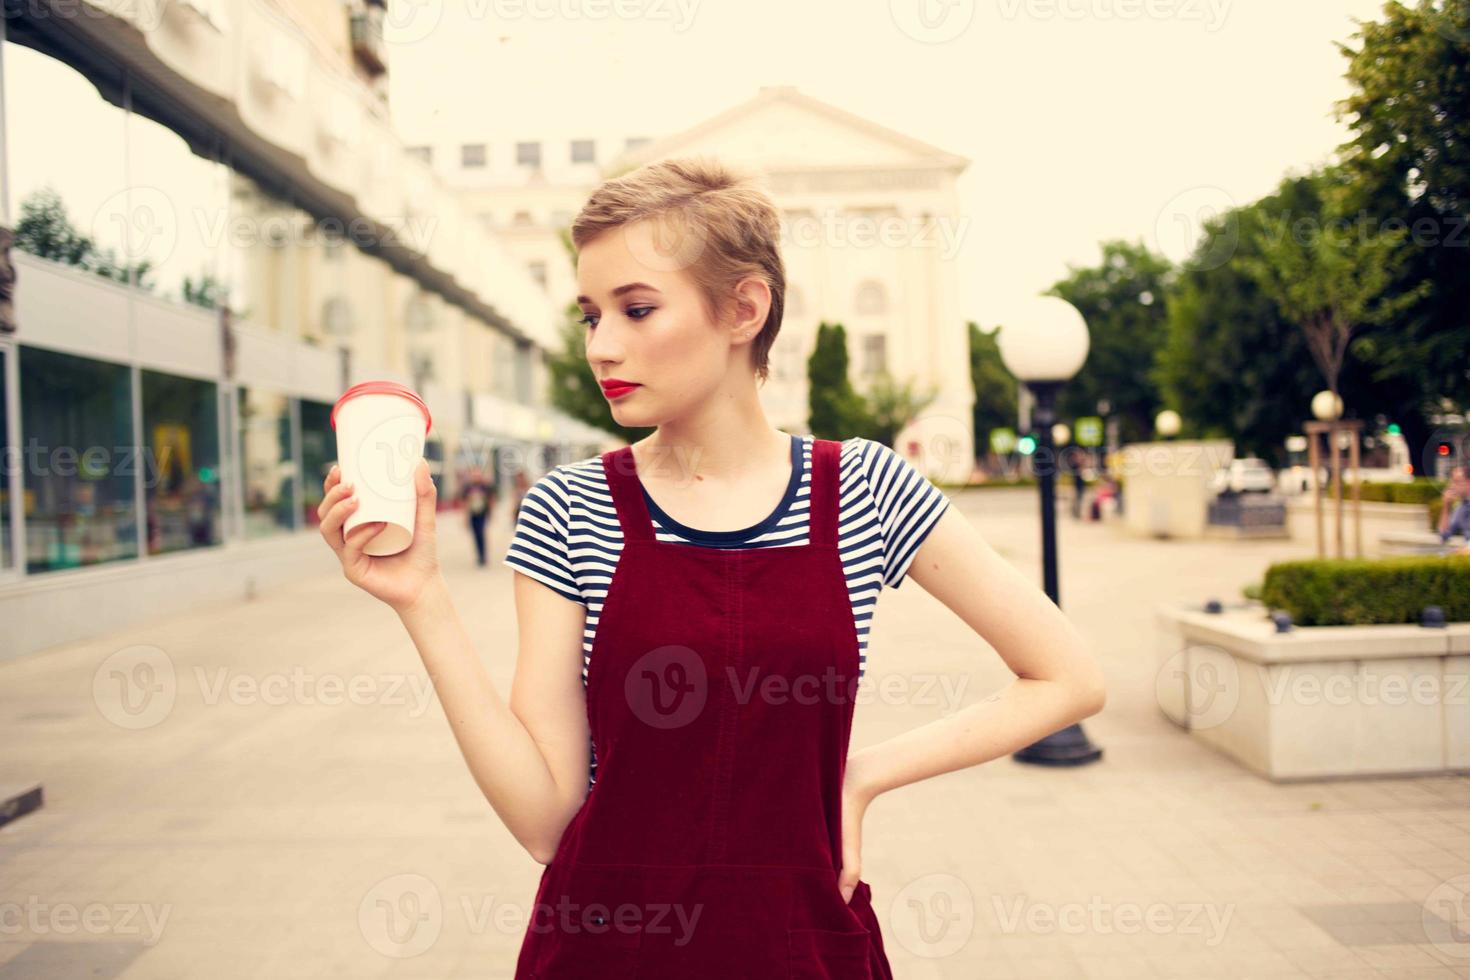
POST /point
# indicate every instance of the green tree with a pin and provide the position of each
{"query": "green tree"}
(1231, 365)
(836, 409)
(1124, 301)
(888, 406)
(45, 230)
(995, 388)
(1332, 277)
(1407, 165)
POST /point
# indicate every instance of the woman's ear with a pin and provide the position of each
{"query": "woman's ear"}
(752, 306)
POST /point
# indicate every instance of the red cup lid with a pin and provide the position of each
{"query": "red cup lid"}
(383, 388)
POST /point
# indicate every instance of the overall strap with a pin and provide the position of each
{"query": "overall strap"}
(826, 490)
(627, 494)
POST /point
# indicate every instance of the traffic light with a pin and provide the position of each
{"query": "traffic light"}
(1026, 445)
(1444, 449)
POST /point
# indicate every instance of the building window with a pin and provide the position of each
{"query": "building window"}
(78, 413)
(871, 298)
(318, 452)
(522, 219)
(472, 155)
(634, 142)
(538, 272)
(584, 151)
(561, 219)
(528, 154)
(487, 219)
(875, 353)
(424, 153)
(6, 559)
(268, 470)
(181, 483)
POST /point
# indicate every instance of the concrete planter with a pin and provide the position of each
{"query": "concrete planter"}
(1317, 702)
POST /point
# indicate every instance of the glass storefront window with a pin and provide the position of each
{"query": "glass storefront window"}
(318, 453)
(181, 463)
(267, 468)
(7, 561)
(79, 460)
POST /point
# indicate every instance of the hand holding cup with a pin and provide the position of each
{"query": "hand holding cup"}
(398, 579)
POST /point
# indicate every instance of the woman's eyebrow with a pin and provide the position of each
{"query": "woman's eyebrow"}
(620, 290)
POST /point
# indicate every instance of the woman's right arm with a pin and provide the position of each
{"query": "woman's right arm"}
(529, 756)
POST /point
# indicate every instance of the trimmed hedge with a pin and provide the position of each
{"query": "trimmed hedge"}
(1361, 591)
(1421, 490)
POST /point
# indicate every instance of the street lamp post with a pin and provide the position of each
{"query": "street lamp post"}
(1045, 347)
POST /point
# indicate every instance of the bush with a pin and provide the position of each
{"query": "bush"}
(1359, 591)
(1420, 491)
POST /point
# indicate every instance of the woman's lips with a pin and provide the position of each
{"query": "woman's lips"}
(618, 391)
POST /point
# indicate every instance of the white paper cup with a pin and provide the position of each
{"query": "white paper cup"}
(381, 426)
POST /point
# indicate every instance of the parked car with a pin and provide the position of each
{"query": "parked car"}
(1248, 475)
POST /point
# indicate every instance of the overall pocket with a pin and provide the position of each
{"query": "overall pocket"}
(827, 954)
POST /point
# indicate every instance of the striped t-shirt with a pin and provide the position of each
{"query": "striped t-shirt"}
(567, 534)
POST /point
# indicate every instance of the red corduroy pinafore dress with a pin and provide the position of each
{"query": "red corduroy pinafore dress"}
(720, 697)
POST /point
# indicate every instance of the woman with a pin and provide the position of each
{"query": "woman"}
(675, 747)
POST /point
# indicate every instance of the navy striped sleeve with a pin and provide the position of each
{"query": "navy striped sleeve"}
(908, 507)
(538, 546)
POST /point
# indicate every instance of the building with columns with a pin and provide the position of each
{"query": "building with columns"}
(872, 233)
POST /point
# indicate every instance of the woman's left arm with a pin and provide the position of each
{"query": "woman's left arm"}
(1058, 680)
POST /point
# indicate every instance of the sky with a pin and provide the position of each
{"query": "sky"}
(1084, 120)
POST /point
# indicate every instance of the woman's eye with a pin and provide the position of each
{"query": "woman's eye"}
(590, 320)
(641, 311)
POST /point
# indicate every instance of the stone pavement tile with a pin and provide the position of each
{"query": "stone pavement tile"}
(1132, 966)
(1040, 967)
(65, 959)
(1206, 966)
(1397, 956)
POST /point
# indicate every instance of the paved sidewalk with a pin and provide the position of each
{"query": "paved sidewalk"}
(266, 789)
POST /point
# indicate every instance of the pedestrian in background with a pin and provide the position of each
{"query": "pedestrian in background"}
(478, 494)
(1454, 512)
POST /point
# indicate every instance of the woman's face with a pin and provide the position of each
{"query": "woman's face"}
(645, 322)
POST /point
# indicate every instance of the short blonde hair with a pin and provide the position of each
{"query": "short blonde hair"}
(730, 218)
